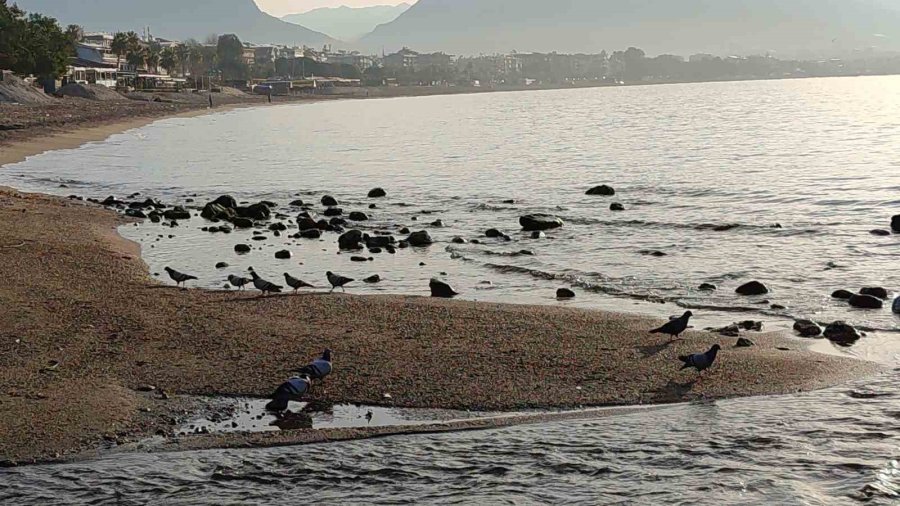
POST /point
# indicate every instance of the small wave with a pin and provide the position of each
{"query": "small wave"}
(705, 227)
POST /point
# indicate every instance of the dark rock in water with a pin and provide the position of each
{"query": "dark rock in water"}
(876, 292)
(842, 333)
(329, 201)
(895, 223)
(476, 241)
(458, 240)
(842, 294)
(403, 244)
(603, 190)
(752, 288)
(358, 259)
(807, 328)
(351, 240)
(257, 211)
(337, 221)
(493, 233)
(135, 213)
(421, 238)
(177, 213)
(358, 216)
(310, 233)
(441, 290)
(155, 217)
(707, 287)
(652, 253)
(305, 223)
(278, 227)
(242, 248)
(333, 211)
(777, 307)
(226, 201)
(866, 302)
(895, 307)
(525, 252)
(616, 207)
(375, 250)
(260, 238)
(111, 201)
(269, 203)
(437, 223)
(221, 265)
(372, 279)
(377, 193)
(296, 203)
(880, 232)
(537, 234)
(283, 255)
(390, 249)
(744, 343)
(539, 222)
(373, 206)
(213, 211)
(751, 325)
(404, 230)
(565, 293)
(243, 223)
(379, 241)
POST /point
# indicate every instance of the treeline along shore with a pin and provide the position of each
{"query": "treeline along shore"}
(84, 330)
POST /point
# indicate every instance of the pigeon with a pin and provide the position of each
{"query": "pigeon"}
(295, 283)
(319, 368)
(676, 326)
(291, 390)
(700, 361)
(238, 282)
(337, 281)
(179, 277)
(264, 286)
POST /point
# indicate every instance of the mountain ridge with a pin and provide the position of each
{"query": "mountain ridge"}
(347, 23)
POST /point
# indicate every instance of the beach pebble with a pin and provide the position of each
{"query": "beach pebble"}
(895, 223)
(538, 234)
(221, 265)
(565, 293)
(842, 333)
(296, 203)
(351, 240)
(242, 248)
(615, 206)
(807, 328)
(441, 289)
(177, 213)
(145, 388)
(329, 201)
(458, 240)
(373, 279)
(278, 227)
(358, 216)
(880, 232)
(602, 190)
(752, 288)
(751, 325)
(358, 259)
(707, 287)
(877, 292)
(866, 302)
(377, 193)
(283, 255)
(333, 211)
(310, 233)
(539, 222)
(842, 294)
(243, 223)
(421, 238)
(744, 343)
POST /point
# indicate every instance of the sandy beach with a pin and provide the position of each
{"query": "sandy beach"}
(83, 326)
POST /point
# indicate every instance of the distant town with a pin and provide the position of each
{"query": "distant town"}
(132, 61)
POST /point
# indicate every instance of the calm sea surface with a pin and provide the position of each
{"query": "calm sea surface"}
(705, 172)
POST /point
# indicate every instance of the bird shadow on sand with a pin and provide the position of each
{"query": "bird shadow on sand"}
(238, 297)
(655, 349)
(675, 390)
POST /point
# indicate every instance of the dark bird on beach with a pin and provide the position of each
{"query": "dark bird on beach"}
(291, 390)
(264, 286)
(179, 277)
(369, 416)
(295, 283)
(337, 281)
(700, 361)
(239, 282)
(319, 368)
(675, 326)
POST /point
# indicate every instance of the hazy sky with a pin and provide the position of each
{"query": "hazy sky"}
(282, 7)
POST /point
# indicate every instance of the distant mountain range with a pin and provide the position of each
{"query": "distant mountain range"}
(782, 27)
(347, 23)
(179, 19)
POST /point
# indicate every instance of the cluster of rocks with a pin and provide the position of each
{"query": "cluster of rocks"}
(734, 330)
(867, 298)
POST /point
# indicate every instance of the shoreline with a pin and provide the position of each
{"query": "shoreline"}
(83, 327)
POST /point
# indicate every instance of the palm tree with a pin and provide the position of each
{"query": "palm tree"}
(119, 47)
(134, 51)
(152, 55)
(183, 54)
(168, 59)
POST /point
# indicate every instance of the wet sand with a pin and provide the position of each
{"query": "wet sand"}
(83, 326)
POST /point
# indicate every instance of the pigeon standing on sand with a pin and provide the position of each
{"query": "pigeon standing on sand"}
(264, 286)
(238, 282)
(700, 361)
(291, 390)
(337, 281)
(676, 326)
(179, 277)
(319, 368)
(295, 283)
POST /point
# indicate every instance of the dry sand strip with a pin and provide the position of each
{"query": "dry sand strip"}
(82, 325)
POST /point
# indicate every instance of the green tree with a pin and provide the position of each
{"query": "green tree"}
(168, 59)
(183, 54)
(12, 30)
(119, 47)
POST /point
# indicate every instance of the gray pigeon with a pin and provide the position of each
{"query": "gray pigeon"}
(179, 277)
(291, 390)
(264, 286)
(238, 282)
(295, 283)
(700, 361)
(676, 326)
(319, 368)
(337, 281)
